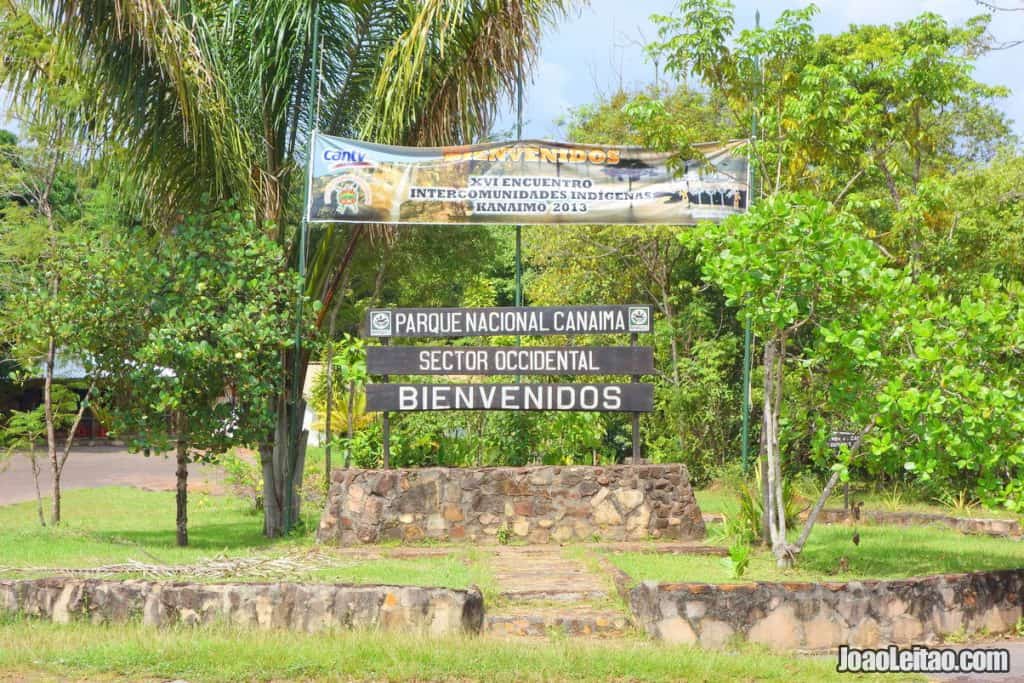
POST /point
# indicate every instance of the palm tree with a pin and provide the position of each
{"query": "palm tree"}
(210, 97)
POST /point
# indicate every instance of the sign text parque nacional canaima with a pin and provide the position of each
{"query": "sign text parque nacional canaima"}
(527, 182)
(504, 321)
(637, 397)
(509, 360)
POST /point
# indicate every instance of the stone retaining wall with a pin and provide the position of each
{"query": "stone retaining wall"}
(545, 504)
(302, 607)
(965, 525)
(818, 616)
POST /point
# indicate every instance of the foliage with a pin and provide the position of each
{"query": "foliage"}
(789, 262)
(861, 116)
(745, 523)
(940, 381)
(23, 429)
(738, 559)
(212, 317)
(244, 477)
(220, 98)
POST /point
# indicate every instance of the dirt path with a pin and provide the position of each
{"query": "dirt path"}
(91, 467)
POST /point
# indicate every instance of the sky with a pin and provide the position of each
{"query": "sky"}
(598, 47)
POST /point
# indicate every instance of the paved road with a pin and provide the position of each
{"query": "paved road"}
(90, 467)
(1016, 648)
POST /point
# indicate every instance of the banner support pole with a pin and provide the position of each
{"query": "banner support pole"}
(519, 228)
(291, 454)
(748, 335)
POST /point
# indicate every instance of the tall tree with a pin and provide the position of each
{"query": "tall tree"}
(194, 370)
(45, 251)
(211, 96)
(790, 263)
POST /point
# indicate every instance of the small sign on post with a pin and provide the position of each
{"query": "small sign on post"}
(837, 440)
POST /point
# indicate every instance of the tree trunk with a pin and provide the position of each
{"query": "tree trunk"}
(283, 461)
(51, 429)
(815, 511)
(775, 508)
(35, 478)
(181, 475)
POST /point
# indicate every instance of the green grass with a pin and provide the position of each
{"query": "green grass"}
(113, 525)
(719, 498)
(716, 500)
(902, 501)
(884, 552)
(221, 653)
(444, 572)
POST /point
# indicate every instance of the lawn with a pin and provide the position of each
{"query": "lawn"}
(115, 525)
(34, 648)
(716, 500)
(884, 552)
(719, 498)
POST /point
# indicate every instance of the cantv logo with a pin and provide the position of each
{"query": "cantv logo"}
(345, 158)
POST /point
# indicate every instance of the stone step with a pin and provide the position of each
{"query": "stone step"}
(566, 596)
(557, 621)
(664, 548)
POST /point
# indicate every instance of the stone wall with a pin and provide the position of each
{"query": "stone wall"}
(966, 525)
(543, 504)
(819, 616)
(302, 607)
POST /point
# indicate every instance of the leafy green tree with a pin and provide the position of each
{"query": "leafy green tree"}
(935, 383)
(196, 368)
(49, 252)
(791, 262)
(861, 117)
(216, 97)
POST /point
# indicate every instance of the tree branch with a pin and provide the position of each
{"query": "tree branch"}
(83, 404)
(812, 517)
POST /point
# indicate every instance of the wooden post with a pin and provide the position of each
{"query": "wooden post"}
(636, 416)
(386, 424)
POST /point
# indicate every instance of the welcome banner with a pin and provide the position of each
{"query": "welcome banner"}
(527, 182)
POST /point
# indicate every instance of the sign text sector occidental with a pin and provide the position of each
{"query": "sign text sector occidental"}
(510, 360)
(526, 321)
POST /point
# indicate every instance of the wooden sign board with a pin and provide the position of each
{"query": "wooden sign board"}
(633, 398)
(508, 321)
(509, 360)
